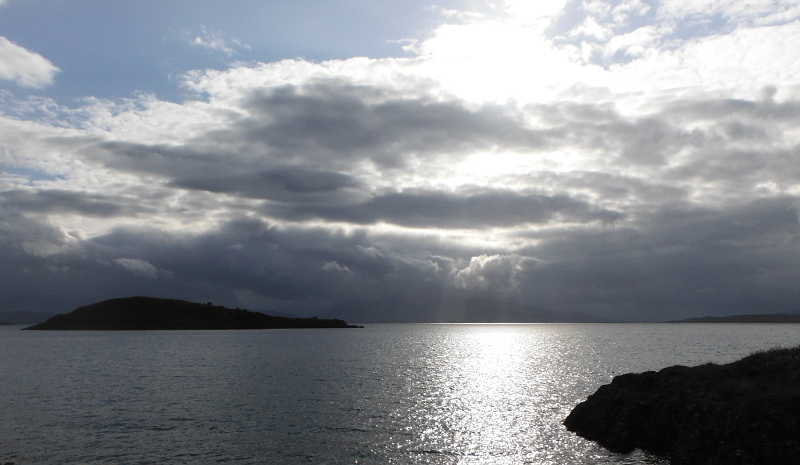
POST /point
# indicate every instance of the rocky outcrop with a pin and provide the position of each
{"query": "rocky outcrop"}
(745, 412)
(150, 313)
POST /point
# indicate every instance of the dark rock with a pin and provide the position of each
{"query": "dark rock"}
(745, 412)
(150, 313)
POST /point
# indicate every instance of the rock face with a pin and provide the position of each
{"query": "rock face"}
(745, 412)
(149, 313)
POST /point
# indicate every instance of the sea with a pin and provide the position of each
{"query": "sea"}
(385, 394)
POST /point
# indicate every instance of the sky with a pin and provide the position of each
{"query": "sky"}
(403, 161)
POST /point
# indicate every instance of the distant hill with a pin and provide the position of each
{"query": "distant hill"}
(762, 318)
(150, 313)
(24, 318)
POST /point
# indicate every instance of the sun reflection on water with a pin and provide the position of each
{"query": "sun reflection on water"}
(489, 386)
(482, 384)
(494, 394)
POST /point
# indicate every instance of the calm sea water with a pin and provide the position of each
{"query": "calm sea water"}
(414, 393)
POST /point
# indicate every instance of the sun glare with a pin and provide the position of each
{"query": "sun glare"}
(495, 61)
(488, 384)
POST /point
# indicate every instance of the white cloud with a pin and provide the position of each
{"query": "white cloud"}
(138, 267)
(58, 242)
(26, 68)
(628, 8)
(215, 41)
(502, 59)
(736, 65)
(495, 272)
(530, 12)
(740, 11)
(334, 266)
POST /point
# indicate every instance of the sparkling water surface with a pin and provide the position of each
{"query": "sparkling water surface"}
(392, 393)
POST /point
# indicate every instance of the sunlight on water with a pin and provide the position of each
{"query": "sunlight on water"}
(493, 394)
(404, 394)
(487, 386)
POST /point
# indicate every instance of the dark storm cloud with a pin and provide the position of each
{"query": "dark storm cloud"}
(35, 265)
(667, 264)
(346, 121)
(737, 168)
(419, 208)
(764, 110)
(617, 187)
(675, 263)
(298, 147)
(328, 126)
(285, 184)
(661, 216)
(648, 140)
(305, 140)
(60, 201)
(289, 266)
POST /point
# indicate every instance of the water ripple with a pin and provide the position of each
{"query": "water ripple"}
(439, 394)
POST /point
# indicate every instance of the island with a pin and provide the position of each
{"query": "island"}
(756, 318)
(151, 313)
(745, 412)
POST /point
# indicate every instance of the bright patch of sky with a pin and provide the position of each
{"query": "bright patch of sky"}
(116, 49)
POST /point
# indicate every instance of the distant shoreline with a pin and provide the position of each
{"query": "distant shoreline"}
(759, 318)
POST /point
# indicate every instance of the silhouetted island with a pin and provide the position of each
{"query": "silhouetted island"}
(760, 318)
(745, 412)
(150, 313)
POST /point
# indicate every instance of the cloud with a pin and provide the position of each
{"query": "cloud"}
(26, 68)
(610, 158)
(333, 124)
(672, 265)
(215, 41)
(600, 211)
(138, 267)
(56, 201)
(746, 12)
(334, 266)
(284, 184)
(496, 272)
(427, 209)
(333, 118)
